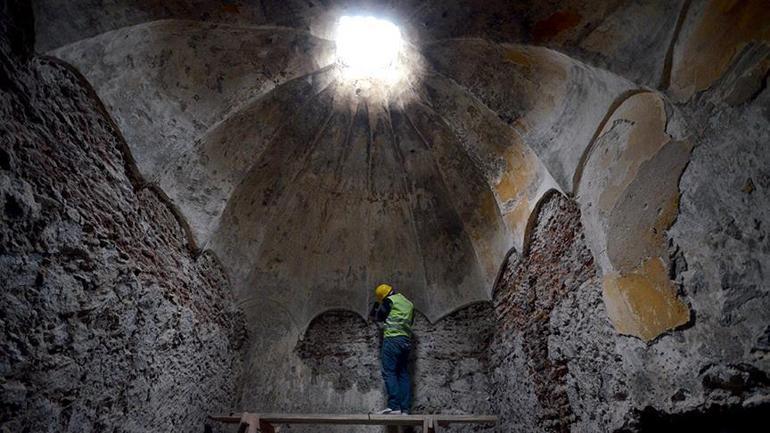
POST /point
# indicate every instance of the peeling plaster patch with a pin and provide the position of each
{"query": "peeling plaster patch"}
(520, 58)
(518, 174)
(515, 189)
(517, 218)
(636, 234)
(645, 136)
(648, 207)
(644, 303)
(710, 40)
(632, 135)
(629, 198)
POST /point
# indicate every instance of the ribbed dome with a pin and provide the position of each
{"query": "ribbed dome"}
(311, 189)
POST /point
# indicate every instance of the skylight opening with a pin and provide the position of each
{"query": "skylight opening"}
(369, 47)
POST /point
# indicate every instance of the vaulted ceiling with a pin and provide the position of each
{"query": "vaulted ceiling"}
(311, 189)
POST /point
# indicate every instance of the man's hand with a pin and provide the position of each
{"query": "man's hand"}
(373, 310)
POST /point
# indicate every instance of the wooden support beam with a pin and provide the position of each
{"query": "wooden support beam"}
(248, 423)
(428, 425)
(266, 427)
(251, 423)
(265, 422)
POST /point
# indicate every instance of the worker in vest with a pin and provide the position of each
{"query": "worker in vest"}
(397, 312)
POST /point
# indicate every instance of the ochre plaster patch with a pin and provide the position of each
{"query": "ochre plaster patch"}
(519, 174)
(517, 56)
(709, 46)
(644, 302)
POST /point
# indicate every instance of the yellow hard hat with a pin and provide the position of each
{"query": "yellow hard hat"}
(382, 291)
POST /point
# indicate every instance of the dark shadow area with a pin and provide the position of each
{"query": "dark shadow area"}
(717, 419)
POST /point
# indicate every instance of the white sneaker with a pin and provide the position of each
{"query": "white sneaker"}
(389, 411)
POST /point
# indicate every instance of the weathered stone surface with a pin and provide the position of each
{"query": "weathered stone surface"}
(556, 263)
(108, 321)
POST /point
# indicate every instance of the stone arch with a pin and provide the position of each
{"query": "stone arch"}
(449, 359)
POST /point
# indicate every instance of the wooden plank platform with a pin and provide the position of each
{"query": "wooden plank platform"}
(264, 422)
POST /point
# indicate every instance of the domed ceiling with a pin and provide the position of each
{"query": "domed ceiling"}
(311, 188)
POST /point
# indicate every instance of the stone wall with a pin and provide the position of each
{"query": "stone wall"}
(449, 360)
(107, 321)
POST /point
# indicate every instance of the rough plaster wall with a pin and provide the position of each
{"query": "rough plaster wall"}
(452, 362)
(107, 322)
(339, 366)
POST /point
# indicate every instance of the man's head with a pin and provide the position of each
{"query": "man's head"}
(382, 291)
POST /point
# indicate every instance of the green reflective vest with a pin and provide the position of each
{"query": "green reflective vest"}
(401, 317)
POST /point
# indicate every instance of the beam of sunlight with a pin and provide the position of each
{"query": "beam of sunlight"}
(368, 47)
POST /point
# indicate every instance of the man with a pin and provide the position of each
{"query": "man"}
(398, 314)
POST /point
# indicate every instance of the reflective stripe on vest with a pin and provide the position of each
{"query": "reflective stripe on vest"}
(399, 321)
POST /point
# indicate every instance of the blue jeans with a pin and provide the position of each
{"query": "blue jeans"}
(395, 359)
